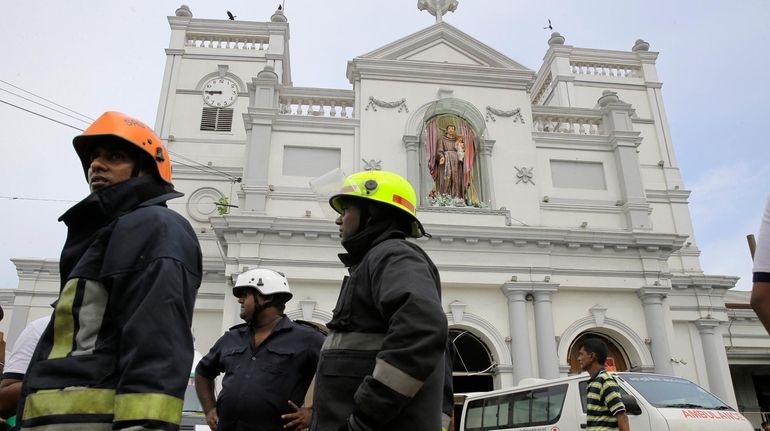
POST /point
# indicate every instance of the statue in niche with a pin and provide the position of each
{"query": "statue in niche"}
(451, 158)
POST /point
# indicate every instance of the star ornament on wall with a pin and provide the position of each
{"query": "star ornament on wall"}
(524, 175)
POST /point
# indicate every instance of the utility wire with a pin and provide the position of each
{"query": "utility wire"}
(203, 168)
(230, 177)
(41, 115)
(21, 198)
(40, 104)
(49, 101)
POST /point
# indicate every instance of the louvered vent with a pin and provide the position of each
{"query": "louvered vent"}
(217, 119)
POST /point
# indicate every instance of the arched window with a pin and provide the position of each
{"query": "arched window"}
(473, 367)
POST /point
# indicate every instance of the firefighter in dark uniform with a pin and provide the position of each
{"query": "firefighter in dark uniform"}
(268, 361)
(382, 364)
(117, 351)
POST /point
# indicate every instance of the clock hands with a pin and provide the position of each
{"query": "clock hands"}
(213, 91)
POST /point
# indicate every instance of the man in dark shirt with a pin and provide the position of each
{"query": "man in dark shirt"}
(268, 361)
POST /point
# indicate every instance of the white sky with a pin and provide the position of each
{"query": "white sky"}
(92, 56)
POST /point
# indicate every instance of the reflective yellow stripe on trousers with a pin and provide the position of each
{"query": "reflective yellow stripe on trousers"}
(124, 407)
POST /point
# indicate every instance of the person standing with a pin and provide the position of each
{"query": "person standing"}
(268, 361)
(118, 350)
(16, 367)
(382, 364)
(604, 410)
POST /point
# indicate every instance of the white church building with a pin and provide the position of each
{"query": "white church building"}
(571, 221)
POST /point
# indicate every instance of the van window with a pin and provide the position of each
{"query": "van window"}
(520, 409)
(191, 402)
(673, 392)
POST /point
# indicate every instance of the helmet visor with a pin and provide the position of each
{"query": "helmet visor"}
(326, 186)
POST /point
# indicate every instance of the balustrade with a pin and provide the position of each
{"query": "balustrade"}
(317, 107)
(578, 125)
(605, 69)
(224, 42)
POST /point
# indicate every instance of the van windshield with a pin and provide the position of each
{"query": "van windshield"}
(673, 392)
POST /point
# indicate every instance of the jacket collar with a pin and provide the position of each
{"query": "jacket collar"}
(110, 202)
(360, 244)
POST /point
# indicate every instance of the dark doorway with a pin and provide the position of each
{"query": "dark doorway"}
(615, 352)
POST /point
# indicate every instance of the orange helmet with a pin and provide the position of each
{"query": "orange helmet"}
(128, 129)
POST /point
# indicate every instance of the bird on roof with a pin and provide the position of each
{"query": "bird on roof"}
(231, 16)
(280, 7)
(549, 26)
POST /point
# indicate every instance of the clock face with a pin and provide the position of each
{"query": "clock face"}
(220, 92)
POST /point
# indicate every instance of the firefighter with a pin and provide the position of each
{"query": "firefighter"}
(268, 361)
(118, 349)
(382, 364)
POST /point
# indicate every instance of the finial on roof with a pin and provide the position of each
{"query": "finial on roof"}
(437, 8)
(608, 97)
(278, 16)
(184, 10)
(556, 39)
(640, 45)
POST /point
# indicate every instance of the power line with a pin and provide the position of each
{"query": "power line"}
(40, 104)
(49, 101)
(19, 198)
(211, 168)
(41, 115)
(208, 169)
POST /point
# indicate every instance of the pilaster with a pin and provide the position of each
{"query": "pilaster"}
(714, 354)
(654, 314)
(262, 111)
(521, 356)
(616, 121)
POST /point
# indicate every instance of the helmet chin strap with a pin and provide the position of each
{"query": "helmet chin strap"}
(258, 308)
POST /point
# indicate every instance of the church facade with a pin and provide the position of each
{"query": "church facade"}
(553, 198)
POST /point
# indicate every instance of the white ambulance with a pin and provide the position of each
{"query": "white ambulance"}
(654, 403)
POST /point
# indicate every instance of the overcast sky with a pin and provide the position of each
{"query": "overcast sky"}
(92, 56)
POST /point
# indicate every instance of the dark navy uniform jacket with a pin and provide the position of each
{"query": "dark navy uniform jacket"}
(119, 339)
(259, 382)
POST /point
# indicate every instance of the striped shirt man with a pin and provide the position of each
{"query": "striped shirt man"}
(603, 403)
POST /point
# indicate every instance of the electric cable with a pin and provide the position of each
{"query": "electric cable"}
(46, 107)
(49, 101)
(41, 115)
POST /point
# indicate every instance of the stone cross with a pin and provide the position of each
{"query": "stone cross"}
(437, 8)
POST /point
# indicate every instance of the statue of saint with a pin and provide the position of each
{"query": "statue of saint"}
(451, 158)
(450, 164)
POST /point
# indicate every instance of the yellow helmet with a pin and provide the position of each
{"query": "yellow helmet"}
(381, 186)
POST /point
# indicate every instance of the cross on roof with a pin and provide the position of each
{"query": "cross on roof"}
(437, 8)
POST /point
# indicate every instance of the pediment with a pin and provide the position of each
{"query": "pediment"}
(443, 43)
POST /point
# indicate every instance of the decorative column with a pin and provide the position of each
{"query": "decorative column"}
(263, 108)
(616, 122)
(412, 144)
(547, 358)
(652, 302)
(519, 327)
(716, 359)
(487, 177)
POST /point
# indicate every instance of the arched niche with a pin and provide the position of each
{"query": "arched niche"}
(415, 136)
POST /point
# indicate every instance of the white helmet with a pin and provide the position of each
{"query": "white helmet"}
(266, 281)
